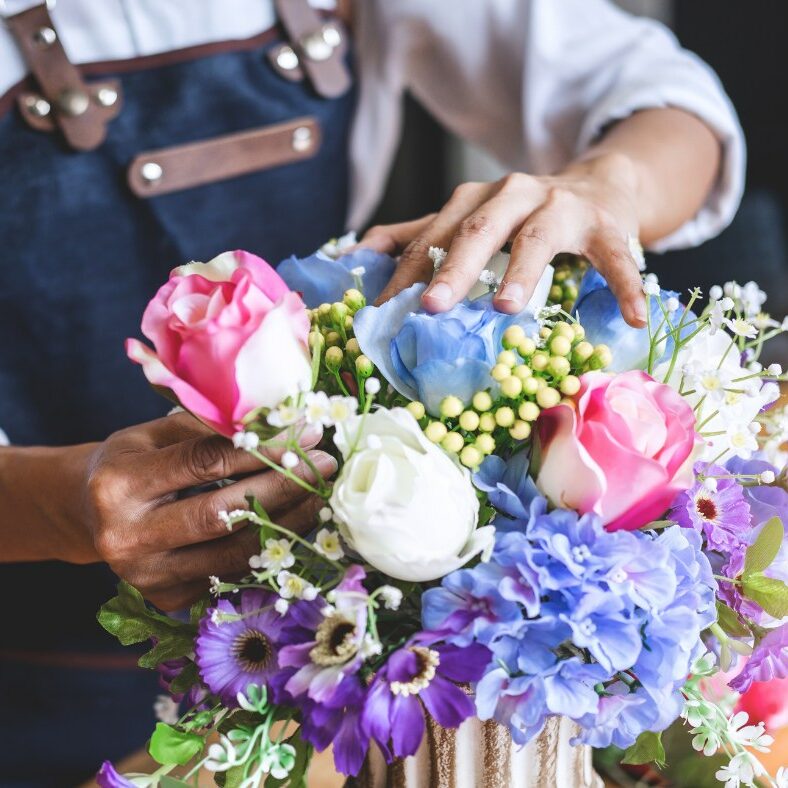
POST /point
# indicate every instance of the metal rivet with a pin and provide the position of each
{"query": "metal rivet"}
(73, 102)
(38, 105)
(45, 37)
(315, 47)
(107, 96)
(302, 138)
(332, 36)
(286, 58)
(151, 172)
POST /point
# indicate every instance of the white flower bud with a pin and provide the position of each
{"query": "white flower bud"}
(372, 386)
(289, 459)
(325, 514)
(775, 369)
(767, 477)
(651, 288)
(281, 606)
(710, 483)
(727, 304)
(672, 304)
(715, 292)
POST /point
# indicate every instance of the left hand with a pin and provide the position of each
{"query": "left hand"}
(588, 210)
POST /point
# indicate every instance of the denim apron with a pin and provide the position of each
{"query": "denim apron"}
(80, 256)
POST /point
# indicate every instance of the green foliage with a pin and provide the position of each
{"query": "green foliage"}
(170, 746)
(647, 749)
(764, 549)
(130, 620)
(165, 781)
(185, 680)
(770, 594)
(730, 622)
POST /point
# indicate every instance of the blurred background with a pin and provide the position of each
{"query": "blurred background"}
(748, 52)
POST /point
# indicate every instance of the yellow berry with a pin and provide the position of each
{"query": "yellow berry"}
(324, 310)
(485, 443)
(522, 371)
(579, 331)
(563, 329)
(547, 397)
(364, 367)
(487, 422)
(352, 348)
(469, 420)
(545, 332)
(504, 417)
(513, 336)
(602, 357)
(561, 274)
(436, 431)
(556, 293)
(451, 407)
(528, 411)
(570, 293)
(582, 352)
(482, 401)
(559, 366)
(570, 385)
(333, 339)
(541, 383)
(539, 361)
(560, 345)
(507, 358)
(348, 323)
(354, 299)
(526, 347)
(316, 339)
(520, 430)
(511, 387)
(500, 372)
(339, 312)
(334, 356)
(416, 409)
(470, 457)
(453, 442)
(531, 386)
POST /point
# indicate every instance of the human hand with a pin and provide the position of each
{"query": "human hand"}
(588, 210)
(165, 546)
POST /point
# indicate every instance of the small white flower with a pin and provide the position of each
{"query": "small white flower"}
(651, 288)
(370, 647)
(489, 278)
(784, 324)
(327, 543)
(294, 587)
(284, 416)
(755, 366)
(437, 255)
(741, 327)
(636, 250)
(769, 392)
(752, 298)
(755, 428)
(710, 382)
(166, 709)
(216, 617)
(359, 271)
(715, 292)
(281, 606)
(651, 277)
(248, 441)
(340, 409)
(215, 587)
(727, 304)
(672, 304)
(221, 755)
(231, 518)
(325, 514)
(289, 460)
(782, 777)
(391, 596)
(716, 317)
(317, 409)
(767, 477)
(277, 555)
(775, 369)
(372, 386)
(741, 441)
(753, 736)
(337, 246)
(732, 289)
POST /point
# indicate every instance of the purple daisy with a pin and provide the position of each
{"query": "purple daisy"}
(108, 777)
(718, 510)
(420, 676)
(235, 653)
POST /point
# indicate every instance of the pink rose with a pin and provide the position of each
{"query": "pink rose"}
(624, 452)
(229, 337)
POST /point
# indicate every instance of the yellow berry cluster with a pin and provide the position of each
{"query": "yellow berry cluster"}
(332, 334)
(569, 270)
(530, 377)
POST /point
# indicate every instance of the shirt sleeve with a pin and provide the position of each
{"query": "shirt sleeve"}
(535, 83)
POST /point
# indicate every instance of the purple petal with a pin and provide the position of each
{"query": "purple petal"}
(350, 746)
(447, 703)
(463, 664)
(407, 725)
(376, 716)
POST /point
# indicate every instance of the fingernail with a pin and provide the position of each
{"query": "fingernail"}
(440, 291)
(311, 434)
(639, 311)
(511, 292)
(325, 463)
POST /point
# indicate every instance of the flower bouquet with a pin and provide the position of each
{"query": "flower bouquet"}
(540, 516)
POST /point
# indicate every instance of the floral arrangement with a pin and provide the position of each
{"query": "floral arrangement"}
(548, 513)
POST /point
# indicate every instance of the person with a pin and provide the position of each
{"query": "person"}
(137, 135)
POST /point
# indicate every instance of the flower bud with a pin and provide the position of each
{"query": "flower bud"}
(453, 442)
(334, 356)
(582, 352)
(578, 331)
(527, 347)
(482, 401)
(316, 340)
(520, 430)
(522, 371)
(348, 323)
(513, 336)
(352, 348)
(485, 443)
(416, 409)
(323, 311)
(531, 386)
(528, 411)
(504, 417)
(539, 361)
(570, 385)
(601, 358)
(354, 300)
(487, 422)
(339, 312)
(560, 345)
(364, 367)
(544, 332)
(511, 387)
(563, 329)
(507, 358)
(333, 339)
(556, 293)
(570, 293)
(436, 431)
(500, 372)
(451, 407)
(471, 457)
(559, 366)
(547, 397)
(469, 420)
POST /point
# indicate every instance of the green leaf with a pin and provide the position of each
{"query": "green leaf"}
(769, 593)
(130, 620)
(730, 622)
(764, 549)
(172, 647)
(232, 778)
(647, 749)
(169, 746)
(185, 680)
(171, 782)
(197, 610)
(317, 355)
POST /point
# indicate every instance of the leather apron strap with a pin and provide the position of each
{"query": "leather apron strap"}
(81, 111)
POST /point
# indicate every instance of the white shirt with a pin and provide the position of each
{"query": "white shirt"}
(533, 82)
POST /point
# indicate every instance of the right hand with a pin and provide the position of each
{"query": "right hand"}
(165, 546)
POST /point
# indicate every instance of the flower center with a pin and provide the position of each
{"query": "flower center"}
(253, 650)
(581, 553)
(428, 661)
(587, 627)
(706, 508)
(336, 641)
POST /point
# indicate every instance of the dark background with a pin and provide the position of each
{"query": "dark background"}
(746, 45)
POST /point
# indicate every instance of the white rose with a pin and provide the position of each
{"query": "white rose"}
(401, 502)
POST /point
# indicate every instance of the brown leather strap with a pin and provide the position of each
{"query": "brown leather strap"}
(318, 44)
(183, 166)
(81, 113)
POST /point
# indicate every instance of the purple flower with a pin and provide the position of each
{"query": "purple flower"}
(722, 515)
(420, 676)
(515, 701)
(766, 501)
(108, 777)
(335, 645)
(233, 654)
(769, 660)
(509, 487)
